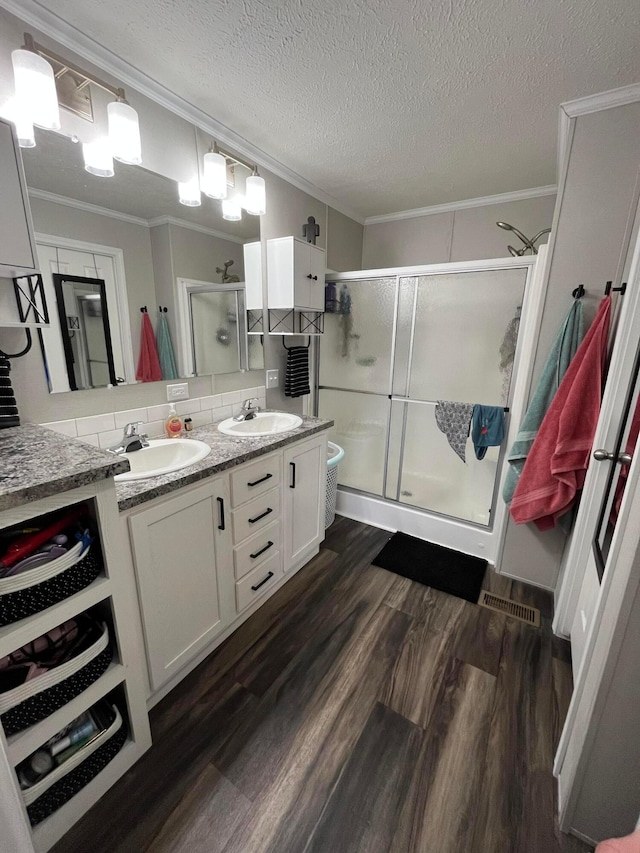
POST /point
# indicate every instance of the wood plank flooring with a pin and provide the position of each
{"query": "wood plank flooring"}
(355, 711)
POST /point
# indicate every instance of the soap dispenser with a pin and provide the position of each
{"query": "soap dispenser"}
(173, 425)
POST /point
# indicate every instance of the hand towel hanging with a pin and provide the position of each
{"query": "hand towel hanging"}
(148, 363)
(296, 382)
(557, 463)
(165, 348)
(562, 352)
(487, 428)
(453, 419)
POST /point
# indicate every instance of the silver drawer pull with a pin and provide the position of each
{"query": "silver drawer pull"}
(261, 551)
(258, 517)
(262, 582)
(261, 480)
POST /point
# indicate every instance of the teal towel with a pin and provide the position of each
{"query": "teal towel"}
(487, 428)
(165, 349)
(564, 348)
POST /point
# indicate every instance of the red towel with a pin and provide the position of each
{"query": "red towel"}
(628, 844)
(149, 369)
(557, 463)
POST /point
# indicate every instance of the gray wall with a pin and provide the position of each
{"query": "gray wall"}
(344, 242)
(593, 212)
(462, 235)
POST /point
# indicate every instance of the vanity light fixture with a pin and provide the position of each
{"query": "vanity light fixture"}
(124, 132)
(232, 209)
(44, 80)
(98, 159)
(189, 192)
(256, 194)
(35, 86)
(214, 174)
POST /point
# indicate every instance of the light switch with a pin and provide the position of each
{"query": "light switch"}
(273, 378)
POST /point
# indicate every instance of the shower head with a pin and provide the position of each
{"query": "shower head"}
(527, 242)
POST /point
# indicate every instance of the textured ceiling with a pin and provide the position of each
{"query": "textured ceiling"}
(384, 104)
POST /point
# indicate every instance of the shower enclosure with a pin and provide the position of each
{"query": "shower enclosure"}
(395, 343)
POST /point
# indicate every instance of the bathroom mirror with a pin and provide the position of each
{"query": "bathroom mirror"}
(86, 336)
(131, 233)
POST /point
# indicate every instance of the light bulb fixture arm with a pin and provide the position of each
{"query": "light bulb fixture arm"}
(32, 45)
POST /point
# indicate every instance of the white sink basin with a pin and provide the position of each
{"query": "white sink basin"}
(163, 456)
(264, 423)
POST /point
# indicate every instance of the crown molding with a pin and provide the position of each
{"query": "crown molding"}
(481, 201)
(87, 207)
(33, 13)
(590, 104)
(194, 226)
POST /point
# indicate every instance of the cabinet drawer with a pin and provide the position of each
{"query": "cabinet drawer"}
(255, 479)
(255, 515)
(259, 581)
(256, 550)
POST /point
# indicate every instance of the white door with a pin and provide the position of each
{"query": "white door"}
(301, 275)
(304, 500)
(182, 550)
(317, 269)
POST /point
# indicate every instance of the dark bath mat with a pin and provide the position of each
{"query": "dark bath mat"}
(433, 565)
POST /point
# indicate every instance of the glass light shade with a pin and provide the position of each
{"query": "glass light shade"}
(22, 123)
(189, 192)
(97, 158)
(35, 88)
(256, 195)
(124, 133)
(232, 209)
(214, 177)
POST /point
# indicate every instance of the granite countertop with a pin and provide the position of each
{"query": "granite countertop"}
(226, 452)
(36, 462)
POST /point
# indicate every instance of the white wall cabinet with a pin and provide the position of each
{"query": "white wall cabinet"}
(181, 548)
(253, 276)
(304, 500)
(295, 275)
(17, 242)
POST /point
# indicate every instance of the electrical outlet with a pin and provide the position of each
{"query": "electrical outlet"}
(273, 378)
(178, 392)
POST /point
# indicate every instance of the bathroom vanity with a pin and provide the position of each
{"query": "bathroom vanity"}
(184, 559)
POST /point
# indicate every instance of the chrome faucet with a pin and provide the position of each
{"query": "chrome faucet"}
(248, 411)
(131, 439)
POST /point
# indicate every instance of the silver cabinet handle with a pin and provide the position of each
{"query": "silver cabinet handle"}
(604, 456)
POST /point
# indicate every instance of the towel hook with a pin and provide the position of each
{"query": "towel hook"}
(143, 310)
(608, 288)
(579, 292)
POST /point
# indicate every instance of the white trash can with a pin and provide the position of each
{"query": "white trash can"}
(334, 455)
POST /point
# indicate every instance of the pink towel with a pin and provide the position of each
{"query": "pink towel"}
(148, 363)
(557, 463)
(628, 844)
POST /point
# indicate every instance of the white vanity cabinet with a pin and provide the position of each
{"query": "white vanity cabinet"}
(17, 242)
(182, 547)
(295, 275)
(209, 555)
(304, 499)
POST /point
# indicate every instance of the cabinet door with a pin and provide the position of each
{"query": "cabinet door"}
(253, 276)
(317, 266)
(301, 274)
(17, 246)
(304, 499)
(179, 550)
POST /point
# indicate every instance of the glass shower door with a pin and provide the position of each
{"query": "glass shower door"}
(460, 347)
(356, 354)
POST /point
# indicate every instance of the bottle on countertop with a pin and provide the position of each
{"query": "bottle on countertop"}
(188, 424)
(173, 425)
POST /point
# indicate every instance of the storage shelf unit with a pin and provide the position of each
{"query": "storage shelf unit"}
(114, 590)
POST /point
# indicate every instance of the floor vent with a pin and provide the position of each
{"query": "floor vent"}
(527, 614)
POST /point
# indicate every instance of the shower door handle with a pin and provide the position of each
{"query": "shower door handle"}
(605, 455)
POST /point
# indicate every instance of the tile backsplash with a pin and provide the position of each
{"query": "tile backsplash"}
(106, 430)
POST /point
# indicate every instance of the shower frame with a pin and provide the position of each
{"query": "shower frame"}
(467, 536)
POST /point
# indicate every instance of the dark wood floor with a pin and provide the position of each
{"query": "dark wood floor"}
(355, 711)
